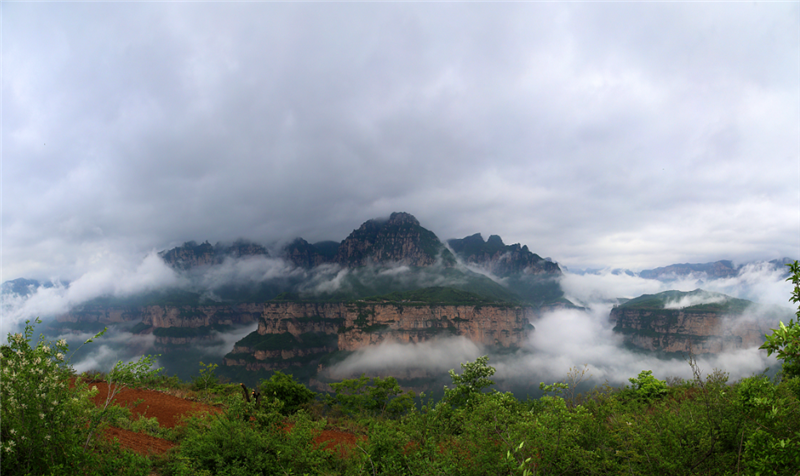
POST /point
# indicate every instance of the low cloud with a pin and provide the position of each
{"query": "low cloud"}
(224, 341)
(572, 338)
(569, 338)
(103, 353)
(247, 270)
(694, 300)
(116, 276)
(758, 282)
(392, 358)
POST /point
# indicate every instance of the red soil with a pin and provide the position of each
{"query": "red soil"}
(330, 439)
(169, 410)
(138, 442)
(166, 408)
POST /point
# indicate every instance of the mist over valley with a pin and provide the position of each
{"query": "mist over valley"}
(392, 299)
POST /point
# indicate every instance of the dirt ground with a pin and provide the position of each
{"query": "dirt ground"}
(170, 409)
(167, 408)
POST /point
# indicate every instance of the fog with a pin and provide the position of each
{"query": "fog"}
(116, 275)
(576, 337)
(562, 339)
(390, 358)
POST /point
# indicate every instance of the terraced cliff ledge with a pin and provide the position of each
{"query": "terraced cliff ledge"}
(297, 333)
(698, 321)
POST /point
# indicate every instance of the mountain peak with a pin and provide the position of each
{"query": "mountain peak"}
(402, 218)
(399, 239)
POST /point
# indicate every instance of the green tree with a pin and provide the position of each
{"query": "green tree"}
(473, 379)
(785, 340)
(374, 397)
(45, 425)
(290, 392)
(647, 387)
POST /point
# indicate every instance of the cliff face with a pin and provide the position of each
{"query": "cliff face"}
(290, 333)
(200, 316)
(677, 330)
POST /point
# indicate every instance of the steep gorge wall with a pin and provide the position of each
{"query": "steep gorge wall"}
(169, 316)
(361, 325)
(676, 330)
(320, 328)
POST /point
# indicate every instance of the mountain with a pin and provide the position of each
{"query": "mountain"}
(190, 254)
(400, 239)
(423, 287)
(20, 286)
(534, 279)
(397, 240)
(715, 270)
(501, 259)
(698, 321)
(305, 255)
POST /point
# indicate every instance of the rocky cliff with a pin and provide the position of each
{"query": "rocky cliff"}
(296, 333)
(659, 323)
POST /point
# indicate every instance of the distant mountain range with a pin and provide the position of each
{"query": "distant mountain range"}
(394, 254)
(714, 270)
(398, 240)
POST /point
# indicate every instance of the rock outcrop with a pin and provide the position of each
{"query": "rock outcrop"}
(199, 316)
(294, 332)
(657, 323)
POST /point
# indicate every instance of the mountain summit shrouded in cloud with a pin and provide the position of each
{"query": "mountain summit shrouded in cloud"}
(380, 256)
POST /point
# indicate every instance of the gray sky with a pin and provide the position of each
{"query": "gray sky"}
(622, 134)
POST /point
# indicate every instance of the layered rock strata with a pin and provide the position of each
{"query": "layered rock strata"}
(678, 330)
(299, 331)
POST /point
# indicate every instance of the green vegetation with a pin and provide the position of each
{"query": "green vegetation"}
(190, 331)
(48, 422)
(436, 295)
(718, 303)
(785, 341)
(291, 394)
(257, 341)
(705, 425)
(139, 328)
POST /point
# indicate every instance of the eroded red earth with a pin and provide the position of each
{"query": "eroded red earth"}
(170, 409)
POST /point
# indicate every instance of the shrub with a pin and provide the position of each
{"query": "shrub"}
(43, 421)
(647, 387)
(290, 392)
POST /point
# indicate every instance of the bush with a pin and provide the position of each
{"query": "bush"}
(647, 387)
(290, 392)
(43, 421)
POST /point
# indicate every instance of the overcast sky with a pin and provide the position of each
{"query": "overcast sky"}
(599, 134)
